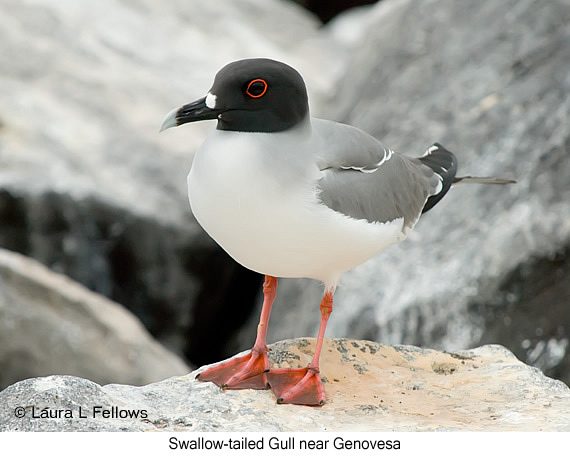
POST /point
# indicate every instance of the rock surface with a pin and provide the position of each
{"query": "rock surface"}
(50, 324)
(370, 387)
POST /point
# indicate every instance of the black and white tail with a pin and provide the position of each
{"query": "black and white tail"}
(444, 164)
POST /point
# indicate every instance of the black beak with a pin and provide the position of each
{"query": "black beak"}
(191, 112)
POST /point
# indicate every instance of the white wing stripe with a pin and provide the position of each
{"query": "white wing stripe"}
(372, 168)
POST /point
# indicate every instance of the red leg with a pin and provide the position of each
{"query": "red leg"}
(303, 386)
(248, 371)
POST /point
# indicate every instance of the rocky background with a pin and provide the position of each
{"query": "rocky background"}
(90, 189)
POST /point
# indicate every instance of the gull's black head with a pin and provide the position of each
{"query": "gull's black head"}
(253, 95)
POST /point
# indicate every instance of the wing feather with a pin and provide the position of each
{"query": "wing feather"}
(363, 179)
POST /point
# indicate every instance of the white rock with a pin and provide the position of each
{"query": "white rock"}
(370, 387)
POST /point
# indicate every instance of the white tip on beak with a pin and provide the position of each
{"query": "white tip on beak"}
(169, 121)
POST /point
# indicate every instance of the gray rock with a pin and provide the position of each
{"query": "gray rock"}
(370, 387)
(50, 324)
(88, 186)
(489, 264)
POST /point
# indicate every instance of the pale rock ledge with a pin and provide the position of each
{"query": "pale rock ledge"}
(370, 387)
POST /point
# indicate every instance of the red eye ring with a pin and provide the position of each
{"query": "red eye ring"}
(258, 95)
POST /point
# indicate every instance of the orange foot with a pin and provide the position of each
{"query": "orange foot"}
(297, 386)
(243, 372)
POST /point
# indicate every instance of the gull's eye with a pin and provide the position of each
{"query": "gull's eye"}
(256, 88)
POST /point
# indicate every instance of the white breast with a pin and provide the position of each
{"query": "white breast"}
(254, 194)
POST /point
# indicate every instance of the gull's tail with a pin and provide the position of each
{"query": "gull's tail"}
(444, 164)
(482, 180)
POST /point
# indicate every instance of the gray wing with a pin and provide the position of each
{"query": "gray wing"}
(365, 180)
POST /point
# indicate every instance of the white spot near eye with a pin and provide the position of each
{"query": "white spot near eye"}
(211, 100)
